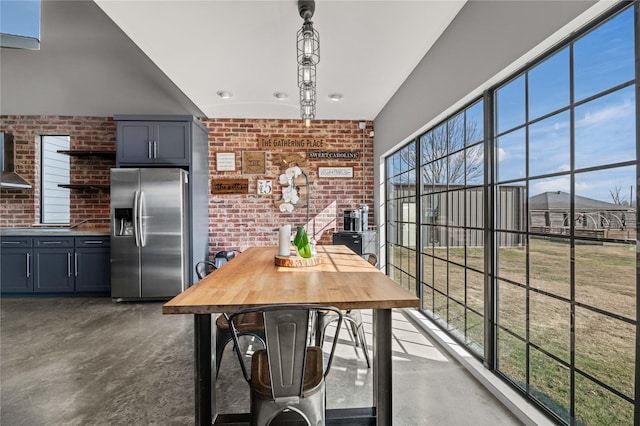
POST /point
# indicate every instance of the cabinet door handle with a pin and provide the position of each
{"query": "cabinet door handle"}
(11, 242)
(28, 265)
(93, 242)
(68, 264)
(155, 150)
(149, 152)
(75, 266)
(51, 242)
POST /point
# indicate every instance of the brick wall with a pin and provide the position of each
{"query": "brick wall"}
(236, 221)
(20, 207)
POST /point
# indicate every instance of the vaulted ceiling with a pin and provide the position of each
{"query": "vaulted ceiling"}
(172, 57)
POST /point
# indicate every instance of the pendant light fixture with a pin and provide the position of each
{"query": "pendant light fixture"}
(308, 46)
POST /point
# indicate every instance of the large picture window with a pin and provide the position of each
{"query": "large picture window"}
(526, 231)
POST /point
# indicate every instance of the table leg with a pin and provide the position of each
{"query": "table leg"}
(204, 395)
(382, 353)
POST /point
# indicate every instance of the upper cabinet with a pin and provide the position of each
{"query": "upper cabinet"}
(172, 141)
(153, 143)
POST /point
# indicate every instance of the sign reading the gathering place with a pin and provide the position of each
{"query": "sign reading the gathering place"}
(229, 186)
(275, 144)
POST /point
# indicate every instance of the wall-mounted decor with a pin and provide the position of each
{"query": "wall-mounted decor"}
(225, 161)
(254, 162)
(335, 172)
(302, 143)
(295, 184)
(265, 187)
(333, 155)
(229, 186)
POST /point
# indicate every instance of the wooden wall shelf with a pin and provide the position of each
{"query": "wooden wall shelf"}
(88, 153)
(89, 186)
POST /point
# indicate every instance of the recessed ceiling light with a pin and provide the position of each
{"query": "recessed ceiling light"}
(224, 94)
(335, 97)
(280, 96)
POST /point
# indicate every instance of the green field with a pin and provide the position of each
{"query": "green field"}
(604, 279)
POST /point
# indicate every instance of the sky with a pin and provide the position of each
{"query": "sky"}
(20, 17)
(604, 127)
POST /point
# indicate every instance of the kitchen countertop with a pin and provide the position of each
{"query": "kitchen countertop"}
(44, 231)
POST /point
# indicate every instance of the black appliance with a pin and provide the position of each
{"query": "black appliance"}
(359, 242)
(356, 220)
(352, 220)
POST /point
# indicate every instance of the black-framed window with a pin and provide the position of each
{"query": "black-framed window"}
(558, 215)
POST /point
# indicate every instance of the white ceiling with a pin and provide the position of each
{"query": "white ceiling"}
(368, 48)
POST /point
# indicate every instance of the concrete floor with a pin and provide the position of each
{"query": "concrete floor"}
(88, 361)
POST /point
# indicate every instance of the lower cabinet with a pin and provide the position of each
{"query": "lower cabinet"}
(53, 270)
(55, 265)
(16, 270)
(93, 270)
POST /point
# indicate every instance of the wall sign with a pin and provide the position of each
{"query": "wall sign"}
(225, 161)
(333, 155)
(254, 162)
(265, 187)
(335, 172)
(275, 144)
(229, 186)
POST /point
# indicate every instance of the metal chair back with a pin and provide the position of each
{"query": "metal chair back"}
(372, 258)
(288, 374)
(204, 268)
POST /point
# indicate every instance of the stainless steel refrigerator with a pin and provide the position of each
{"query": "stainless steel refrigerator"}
(149, 233)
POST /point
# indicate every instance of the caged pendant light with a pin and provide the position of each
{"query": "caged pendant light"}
(308, 54)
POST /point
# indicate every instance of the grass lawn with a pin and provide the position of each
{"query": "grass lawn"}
(604, 279)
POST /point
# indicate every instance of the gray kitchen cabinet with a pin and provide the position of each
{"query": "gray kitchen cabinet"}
(153, 143)
(93, 265)
(176, 141)
(53, 265)
(47, 264)
(16, 265)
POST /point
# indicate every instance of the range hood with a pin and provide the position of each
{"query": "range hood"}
(10, 179)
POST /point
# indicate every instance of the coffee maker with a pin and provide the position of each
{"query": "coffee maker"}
(352, 220)
(356, 220)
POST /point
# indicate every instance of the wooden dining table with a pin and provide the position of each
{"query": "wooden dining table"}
(342, 279)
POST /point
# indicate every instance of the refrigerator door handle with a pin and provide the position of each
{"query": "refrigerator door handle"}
(140, 209)
(136, 227)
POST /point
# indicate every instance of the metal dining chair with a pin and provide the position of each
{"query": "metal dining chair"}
(224, 256)
(249, 324)
(372, 258)
(354, 318)
(204, 268)
(288, 374)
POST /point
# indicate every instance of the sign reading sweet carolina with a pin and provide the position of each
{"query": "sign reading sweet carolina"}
(299, 143)
(333, 155)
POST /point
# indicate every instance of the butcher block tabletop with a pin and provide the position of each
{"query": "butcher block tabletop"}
(342, 279)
